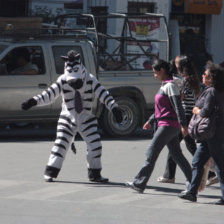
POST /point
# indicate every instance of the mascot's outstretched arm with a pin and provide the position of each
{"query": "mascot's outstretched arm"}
(104, 96)
(48, 96)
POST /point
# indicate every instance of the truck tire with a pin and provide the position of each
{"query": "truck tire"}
(131, 118)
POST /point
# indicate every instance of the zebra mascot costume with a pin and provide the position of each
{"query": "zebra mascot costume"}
(78, 88)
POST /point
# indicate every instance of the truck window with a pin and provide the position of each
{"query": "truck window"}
(23, 61)
(58, 51)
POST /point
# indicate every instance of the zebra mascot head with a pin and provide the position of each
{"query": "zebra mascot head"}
(74, 69)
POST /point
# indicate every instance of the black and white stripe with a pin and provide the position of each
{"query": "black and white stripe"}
(70, 122)
(188, 102)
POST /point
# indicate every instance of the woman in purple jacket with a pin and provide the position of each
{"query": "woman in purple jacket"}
(190, 90)
(170, 116)
(211, 98)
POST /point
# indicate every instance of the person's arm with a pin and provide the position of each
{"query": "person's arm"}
(209, 103)
(48, 96)
(103, 95)
(175, 99)
(29, 72)
(31, 69)
(196, 110)
(149, 123)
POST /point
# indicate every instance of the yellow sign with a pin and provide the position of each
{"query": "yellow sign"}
(203, 6)
(142, 29)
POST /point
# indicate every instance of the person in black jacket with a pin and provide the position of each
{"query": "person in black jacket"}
(211, 98)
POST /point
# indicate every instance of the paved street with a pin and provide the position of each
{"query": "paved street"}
(26, 199)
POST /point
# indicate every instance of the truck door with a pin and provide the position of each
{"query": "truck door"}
(25, 75)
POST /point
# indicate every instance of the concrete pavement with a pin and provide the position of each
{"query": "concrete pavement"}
(26, 199)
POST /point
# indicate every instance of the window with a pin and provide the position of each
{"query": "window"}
(27, 60)
(140, 7)
(58, 51)
(13, 8)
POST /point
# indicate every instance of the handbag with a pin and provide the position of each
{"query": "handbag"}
(202, 128)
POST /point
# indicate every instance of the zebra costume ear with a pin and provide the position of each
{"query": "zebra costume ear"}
(71, 56)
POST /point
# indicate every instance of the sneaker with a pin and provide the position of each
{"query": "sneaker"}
(166, 180)
(48, 178)
(183, 192)
(219, 202)
(212, 180)
(131, 185)
(99, 179)
(187, 196)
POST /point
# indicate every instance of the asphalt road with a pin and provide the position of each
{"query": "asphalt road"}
(26, 199)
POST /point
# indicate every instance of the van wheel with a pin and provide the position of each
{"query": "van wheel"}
(131, 118)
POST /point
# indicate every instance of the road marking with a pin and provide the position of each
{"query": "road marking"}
(49, 192)
(119, 198)
(9, 183)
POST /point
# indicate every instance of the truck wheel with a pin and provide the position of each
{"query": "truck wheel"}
(131, 118)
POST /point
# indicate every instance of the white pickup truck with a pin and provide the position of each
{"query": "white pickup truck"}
(122, 63)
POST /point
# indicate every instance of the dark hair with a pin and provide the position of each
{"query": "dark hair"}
(217, 73)
(23, 53)
(173, 68)
(159, 63)
(186, 67)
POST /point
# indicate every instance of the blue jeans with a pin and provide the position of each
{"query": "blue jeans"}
(214, 148)
(171, 166)
(164, 135)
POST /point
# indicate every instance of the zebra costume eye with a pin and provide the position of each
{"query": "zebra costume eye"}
(75, 69)
(69, 69)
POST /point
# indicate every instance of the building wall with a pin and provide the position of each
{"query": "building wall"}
(162, 6)
(216, 37)
(51, 8)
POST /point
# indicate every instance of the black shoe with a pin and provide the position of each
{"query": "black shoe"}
(48, 178)
(131, 185)
(99, 179)
(187, 196)
(219, 202)
(95, 176)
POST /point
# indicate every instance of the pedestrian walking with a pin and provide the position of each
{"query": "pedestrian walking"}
(170, 116)
(190, 89)
(210, 101)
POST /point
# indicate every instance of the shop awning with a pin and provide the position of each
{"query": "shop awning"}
(203, 6)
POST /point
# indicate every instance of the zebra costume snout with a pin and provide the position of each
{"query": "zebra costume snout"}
(75, 83)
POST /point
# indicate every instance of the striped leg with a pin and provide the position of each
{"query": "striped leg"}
(65, 135)
(92, 138)
(89, 133)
